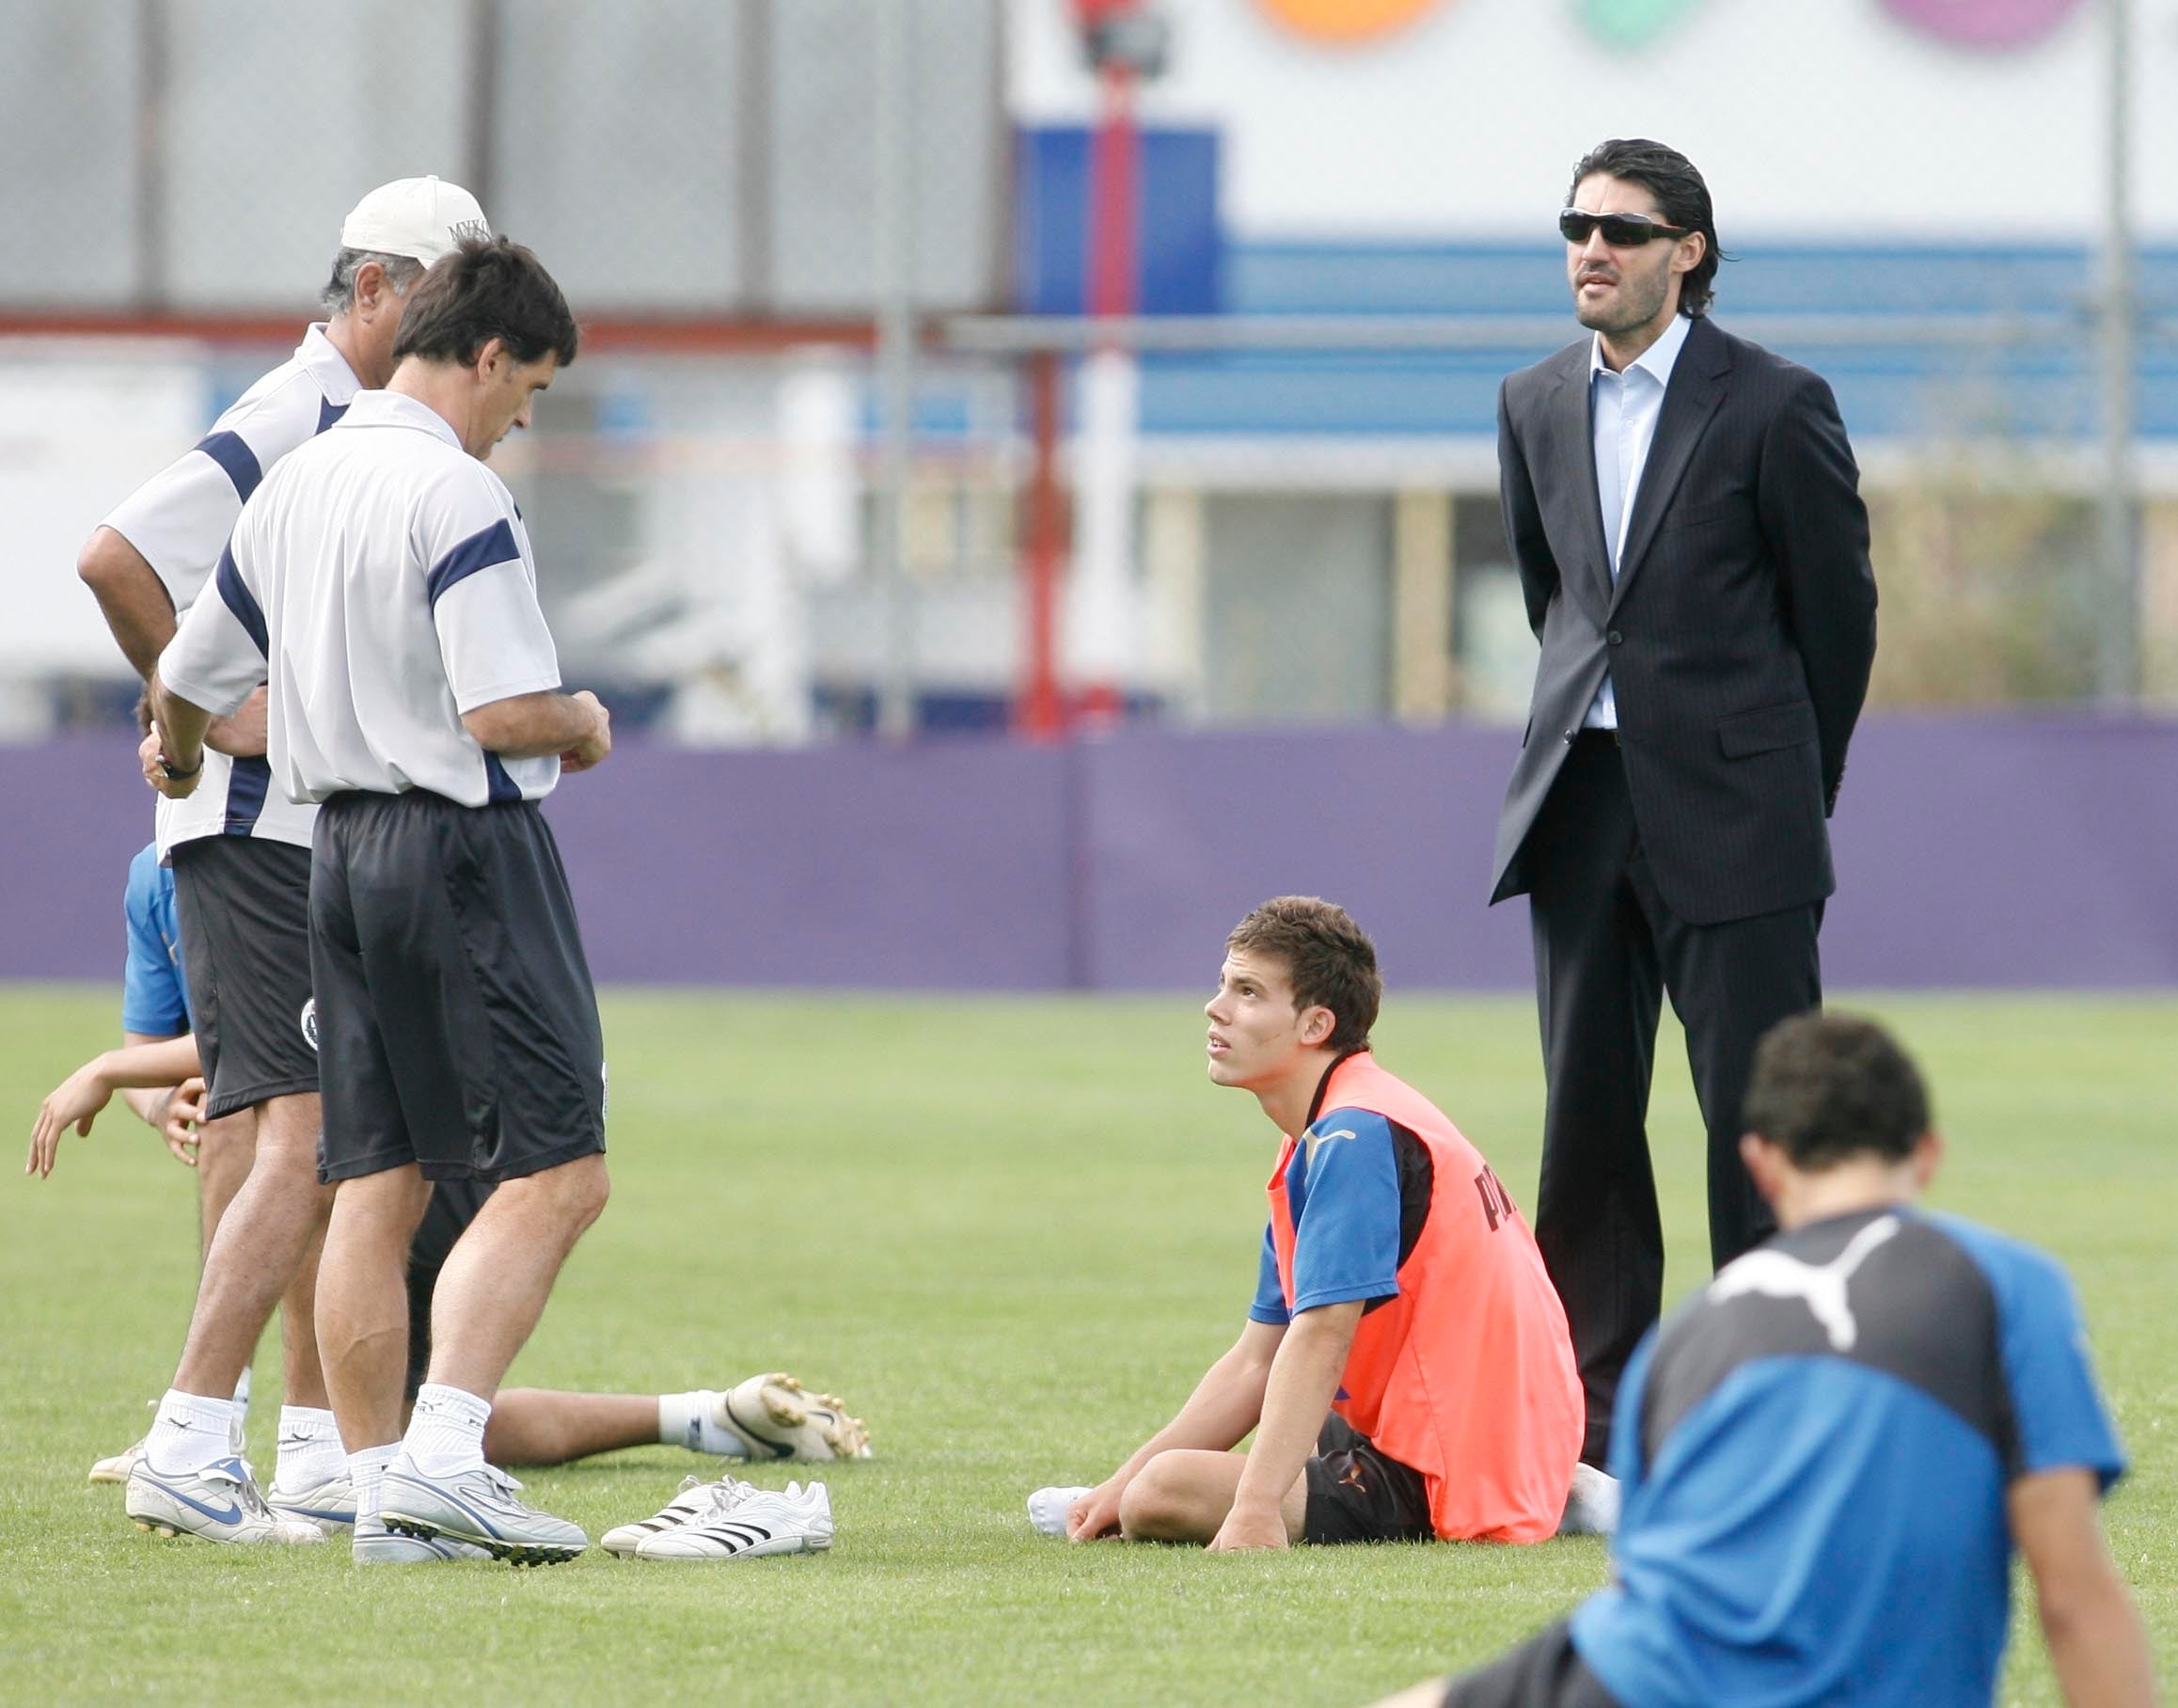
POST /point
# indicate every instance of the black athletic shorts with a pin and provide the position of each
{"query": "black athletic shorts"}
(1546, 1672)
(1357, 1494)
(453, 1205)
(455, 1009)
(245, 909)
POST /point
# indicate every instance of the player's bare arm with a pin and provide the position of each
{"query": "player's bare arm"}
(530, 726)
(1227, 1404)
(1304, 1381)
(77, 1099)
(2096, 1645)
(172, 755)
(137, 605)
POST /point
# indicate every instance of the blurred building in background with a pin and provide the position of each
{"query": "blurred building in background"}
(897, 407)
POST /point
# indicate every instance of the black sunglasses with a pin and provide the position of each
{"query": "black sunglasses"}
(1620, 231)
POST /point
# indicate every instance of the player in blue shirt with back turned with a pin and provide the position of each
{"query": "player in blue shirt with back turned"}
(1828, 1455)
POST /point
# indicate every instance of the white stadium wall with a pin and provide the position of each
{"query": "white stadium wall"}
(1810, 118)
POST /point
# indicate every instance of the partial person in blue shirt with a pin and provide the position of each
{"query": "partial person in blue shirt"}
(1829, 1455)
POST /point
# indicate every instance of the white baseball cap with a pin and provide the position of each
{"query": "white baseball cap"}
(419, 218)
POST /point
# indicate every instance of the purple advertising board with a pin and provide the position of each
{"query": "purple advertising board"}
(1991, 851)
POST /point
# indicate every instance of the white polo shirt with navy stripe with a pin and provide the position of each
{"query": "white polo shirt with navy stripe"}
(179, 520)
(381, 579)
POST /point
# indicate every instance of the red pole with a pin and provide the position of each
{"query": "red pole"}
(1039, 713)
(1114, 165)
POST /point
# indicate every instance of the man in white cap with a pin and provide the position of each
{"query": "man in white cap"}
(241, 855)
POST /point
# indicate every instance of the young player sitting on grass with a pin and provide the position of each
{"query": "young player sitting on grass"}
(156, 1071)
(1829, 1454)
(1406, 1365)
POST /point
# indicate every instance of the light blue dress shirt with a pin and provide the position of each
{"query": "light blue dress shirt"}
(1623, 411)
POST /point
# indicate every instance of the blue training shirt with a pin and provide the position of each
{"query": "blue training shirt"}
(1814, 1453)
(154, 999)
(1345, 1186)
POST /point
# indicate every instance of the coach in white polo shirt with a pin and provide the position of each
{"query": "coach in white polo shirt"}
(241, 854)
(381, 581)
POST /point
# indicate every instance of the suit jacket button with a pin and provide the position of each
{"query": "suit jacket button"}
(1568, 736)
(1614, 637)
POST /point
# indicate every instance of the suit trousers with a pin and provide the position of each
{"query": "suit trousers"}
(1607, 947)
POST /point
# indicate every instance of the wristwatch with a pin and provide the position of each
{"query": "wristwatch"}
(175, 773)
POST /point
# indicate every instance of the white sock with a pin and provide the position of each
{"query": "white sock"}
(310, 1451)
(242, 1396)
(190, 1433)
(366, 1471)
(691, 1420)
(445, 1431)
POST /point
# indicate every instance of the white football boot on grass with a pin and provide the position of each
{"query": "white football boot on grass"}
(220, 1503)
(1048, 1509)
(477, 1507)
(781, 1421)
(330, 1505)
(759, 1522)
(1593, 1507)
(694, 1502)
(116, 1469)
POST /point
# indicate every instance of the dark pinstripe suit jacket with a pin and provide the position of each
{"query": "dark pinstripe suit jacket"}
(1738, 636)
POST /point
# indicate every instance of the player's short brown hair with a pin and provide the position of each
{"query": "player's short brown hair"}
(487, 288)
(1829, 1087)
(1329, 960)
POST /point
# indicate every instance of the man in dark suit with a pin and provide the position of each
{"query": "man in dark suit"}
(1685, 510)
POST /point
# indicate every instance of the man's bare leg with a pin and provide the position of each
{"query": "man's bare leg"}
(539, 1427)
(260, 1244)
(1184, 1494)
(303, 1376)
(225, 1150)
(362, 1304)
(500, 1273)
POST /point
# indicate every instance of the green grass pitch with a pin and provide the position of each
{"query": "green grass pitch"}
(1011, 1233)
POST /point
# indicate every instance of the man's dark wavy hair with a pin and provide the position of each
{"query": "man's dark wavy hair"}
(1329, 959)
(1830, 1086)
(1682, 197)
(487, 288)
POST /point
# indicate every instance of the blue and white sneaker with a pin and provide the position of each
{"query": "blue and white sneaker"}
(375, 1545)
(759, 1522)
(330, 1505)
(477, 1507)
(220, 1503)
(1048, 1509)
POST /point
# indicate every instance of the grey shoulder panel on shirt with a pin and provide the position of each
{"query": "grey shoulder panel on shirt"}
(1882, 1289)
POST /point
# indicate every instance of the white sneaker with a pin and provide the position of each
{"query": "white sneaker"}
(799, 1521)
(116, 1469)
(1593, 1507)
(695, 1501)
(477, 1507)
(375, 1545)
(1048, 1509)
(777, 1418)
(330, 1505)
(220, 1503)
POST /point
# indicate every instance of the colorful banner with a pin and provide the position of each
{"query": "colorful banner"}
(1631, 22)
(1347, 21)
(1997, 23)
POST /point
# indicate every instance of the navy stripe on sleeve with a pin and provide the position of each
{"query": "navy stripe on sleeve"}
(238, 459)
(240, 600)
(329, 412)
(481, 551)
